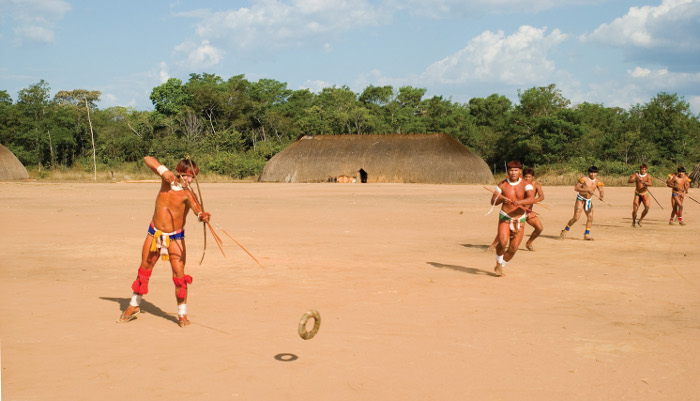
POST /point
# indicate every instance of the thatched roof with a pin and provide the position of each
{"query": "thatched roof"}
(10, 166)
(695, 177)
(414, 158)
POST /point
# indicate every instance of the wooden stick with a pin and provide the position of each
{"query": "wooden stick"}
(652, 195)
(510, 200)
(692, 199)
(246, 251)
(216, 238)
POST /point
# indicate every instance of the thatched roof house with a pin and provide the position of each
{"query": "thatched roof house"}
(414, 158)
(695, 177)
(10, 166)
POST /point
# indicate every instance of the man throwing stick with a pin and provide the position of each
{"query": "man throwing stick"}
(166, 235)
(641, 181)
(532, 219)
(585, 187)
(679, 184)
(515, 195)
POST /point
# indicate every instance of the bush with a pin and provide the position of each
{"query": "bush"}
(237, 165)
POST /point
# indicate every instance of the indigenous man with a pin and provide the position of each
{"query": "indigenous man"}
(679, 184)
(641, 181)
(515, 195)
(532, 219)
(585, 187)
(166, 235)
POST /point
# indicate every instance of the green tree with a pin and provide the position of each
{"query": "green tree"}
(170, 97)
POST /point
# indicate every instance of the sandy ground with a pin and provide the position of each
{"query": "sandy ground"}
(399, 273)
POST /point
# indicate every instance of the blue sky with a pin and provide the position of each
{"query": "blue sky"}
(614, 52)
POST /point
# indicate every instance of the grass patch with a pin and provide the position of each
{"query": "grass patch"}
(80, 175)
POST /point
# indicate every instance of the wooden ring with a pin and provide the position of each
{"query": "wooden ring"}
(305, 334)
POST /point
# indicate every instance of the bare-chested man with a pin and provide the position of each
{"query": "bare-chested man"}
(679, 184)
(166, 235)
(532, 219)
(641, 181)
(585, 186)
(515, 195)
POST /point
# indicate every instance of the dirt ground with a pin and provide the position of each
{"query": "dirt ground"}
(399, 273)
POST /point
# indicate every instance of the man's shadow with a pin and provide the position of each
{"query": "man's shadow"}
(477, 246)
(462, 269)
(146, 307)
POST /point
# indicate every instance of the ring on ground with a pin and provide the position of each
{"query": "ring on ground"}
(305, 334)
(286, 357)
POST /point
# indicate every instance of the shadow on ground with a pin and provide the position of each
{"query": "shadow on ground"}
(146, 307)
(462, 269)
(476, 246)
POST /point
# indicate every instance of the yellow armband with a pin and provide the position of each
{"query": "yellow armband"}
(582, 180)
(600, 184)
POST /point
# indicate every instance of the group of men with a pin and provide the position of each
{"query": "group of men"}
(516, 194)
(519, 192)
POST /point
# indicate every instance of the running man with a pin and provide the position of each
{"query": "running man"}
(166, 235)
(679, 184)
(532, 219)
(585, 187)
(515, 195)
(641, 181)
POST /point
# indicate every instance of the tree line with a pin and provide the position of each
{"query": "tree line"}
(234, 126)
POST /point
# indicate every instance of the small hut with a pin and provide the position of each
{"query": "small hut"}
(10, 166)
(695, 177)
(396, 158)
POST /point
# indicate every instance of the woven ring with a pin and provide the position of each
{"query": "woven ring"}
(305, 334)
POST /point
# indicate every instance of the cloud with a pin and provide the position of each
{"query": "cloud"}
(451, 8)
(667, 34)
(163, 73)
(270, 25)
(34, 20)
(315, 86)
(663, 79)
(198, 55)
(518, 59)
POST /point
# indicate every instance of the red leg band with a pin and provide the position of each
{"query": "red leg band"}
(140, 286)
(182, 283)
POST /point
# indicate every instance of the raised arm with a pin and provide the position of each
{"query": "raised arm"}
(159, 169)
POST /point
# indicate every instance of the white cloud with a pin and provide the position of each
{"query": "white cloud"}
(34, 20)
(315, 86)
(274, 24)
(694, 102)
(199, 55)
(663, 79)
(163, 73)
(449, 8)
(673, 23)
(518, 59)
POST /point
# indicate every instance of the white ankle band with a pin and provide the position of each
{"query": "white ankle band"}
(135, 299)
(182, 310)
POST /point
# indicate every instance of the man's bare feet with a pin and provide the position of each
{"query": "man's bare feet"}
(499, 270)
(530, 247)
(670, 222)
(639, 223)
(633, 224)
(129, 314)
(587, 238)
(681, 223)
(184, 322)
(563, 234)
